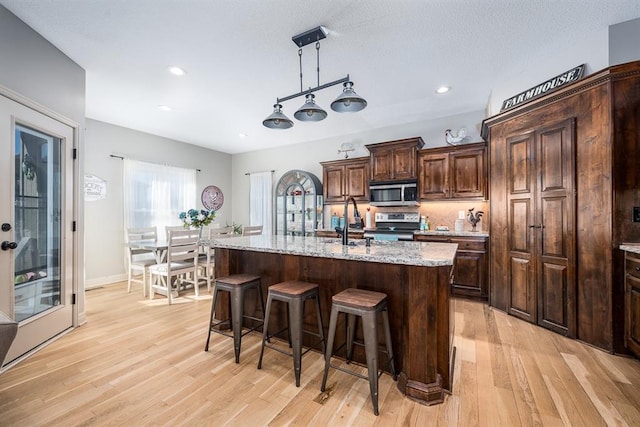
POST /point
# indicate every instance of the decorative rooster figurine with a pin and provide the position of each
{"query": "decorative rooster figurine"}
(452, 139)
(474, 218)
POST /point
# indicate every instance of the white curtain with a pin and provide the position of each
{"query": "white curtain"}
(154, 195)
(261, 200)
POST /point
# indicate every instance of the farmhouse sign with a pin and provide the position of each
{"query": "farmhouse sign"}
(543, 88)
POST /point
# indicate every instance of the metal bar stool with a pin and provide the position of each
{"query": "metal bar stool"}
(366, 305)
(294, 293)
(236, 285)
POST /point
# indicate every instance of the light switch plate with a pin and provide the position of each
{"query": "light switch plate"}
(636, 214)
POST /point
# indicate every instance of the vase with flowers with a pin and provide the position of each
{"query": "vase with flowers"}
(196, 219)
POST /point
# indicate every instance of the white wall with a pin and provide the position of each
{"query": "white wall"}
(35, 69)
(623, 42)
(104, 232)
(308, 156)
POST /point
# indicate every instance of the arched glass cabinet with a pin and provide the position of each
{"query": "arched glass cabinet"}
(298, 204)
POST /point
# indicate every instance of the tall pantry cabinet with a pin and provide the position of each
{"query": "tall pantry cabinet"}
(562, 188)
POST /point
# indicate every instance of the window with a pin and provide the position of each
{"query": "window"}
(261, 200)
(155, 194)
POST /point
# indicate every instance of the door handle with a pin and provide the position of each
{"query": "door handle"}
(6, 245)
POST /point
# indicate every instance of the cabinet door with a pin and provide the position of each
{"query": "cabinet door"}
(468, 174)
(520, 181)
(555, 227)
(541, 227)
(403, 163)
(357, 181)
(434, 176)
(632, 313)
(334, 185)
(469, 274)
(381, 165)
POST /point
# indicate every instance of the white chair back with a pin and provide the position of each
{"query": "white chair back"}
(220, 233)
(135, 234)
(183, 246)
(252, 230)
(169, 228)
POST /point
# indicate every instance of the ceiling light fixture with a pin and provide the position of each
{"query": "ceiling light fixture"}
(443, 89)
(164, 107)
(177, 71)
(347, 102)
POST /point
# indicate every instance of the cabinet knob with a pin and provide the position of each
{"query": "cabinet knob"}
(637, 268)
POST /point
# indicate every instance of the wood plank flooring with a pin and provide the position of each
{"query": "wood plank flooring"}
(141, 363)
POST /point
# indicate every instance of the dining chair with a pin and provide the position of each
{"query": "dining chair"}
(182, 259)
(206, 261)
(170, 228)
(139, 260)
(252, 230)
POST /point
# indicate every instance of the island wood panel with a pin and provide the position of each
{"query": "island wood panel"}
(418, 299)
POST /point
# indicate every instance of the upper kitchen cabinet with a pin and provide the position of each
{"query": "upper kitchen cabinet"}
(457, 172)
(346, 177)
(564, 182)
(394, 160)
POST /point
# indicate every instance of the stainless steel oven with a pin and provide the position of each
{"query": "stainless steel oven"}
(395, 226)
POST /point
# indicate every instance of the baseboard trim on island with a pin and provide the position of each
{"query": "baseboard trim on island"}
(426, 394)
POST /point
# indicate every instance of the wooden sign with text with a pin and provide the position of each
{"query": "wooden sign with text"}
(544, 88)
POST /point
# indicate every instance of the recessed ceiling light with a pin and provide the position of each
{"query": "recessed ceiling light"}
(164, 107)
(242, 135)
(177, 71)
(443, 89)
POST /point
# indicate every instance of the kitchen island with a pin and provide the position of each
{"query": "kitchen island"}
(415, 275)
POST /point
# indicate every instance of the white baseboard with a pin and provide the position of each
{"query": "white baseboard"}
(106, 280)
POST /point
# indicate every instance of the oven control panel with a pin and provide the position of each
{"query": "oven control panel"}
(397, 217)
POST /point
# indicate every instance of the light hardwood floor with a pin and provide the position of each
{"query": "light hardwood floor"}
(138, 362)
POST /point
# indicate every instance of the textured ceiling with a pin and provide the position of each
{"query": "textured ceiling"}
(239, 57)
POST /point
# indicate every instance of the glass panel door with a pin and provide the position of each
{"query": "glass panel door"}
(37, 223)
(36, 260)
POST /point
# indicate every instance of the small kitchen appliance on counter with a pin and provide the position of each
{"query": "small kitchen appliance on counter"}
(400, 225)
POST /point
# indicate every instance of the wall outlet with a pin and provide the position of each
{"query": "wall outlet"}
(636, 214)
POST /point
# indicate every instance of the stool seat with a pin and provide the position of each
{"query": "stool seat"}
(292, 287)
(236, 285)
(359, 298)
(363, 304)
(294, 293)
(238, 279)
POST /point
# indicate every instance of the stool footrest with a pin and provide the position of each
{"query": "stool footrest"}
(357, 374)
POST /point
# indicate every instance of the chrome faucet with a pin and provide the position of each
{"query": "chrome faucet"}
(345, 230)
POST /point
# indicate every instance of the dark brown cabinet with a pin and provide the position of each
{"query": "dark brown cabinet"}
(632, 303)
(564, 180)
(470, 268)
(540, 207)
(394, 160)
(346, 177)
(453, 173)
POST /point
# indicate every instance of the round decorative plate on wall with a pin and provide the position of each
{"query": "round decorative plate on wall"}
(212, 198)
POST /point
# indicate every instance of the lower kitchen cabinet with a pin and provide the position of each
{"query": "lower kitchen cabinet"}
(632, 303)
(470, 268)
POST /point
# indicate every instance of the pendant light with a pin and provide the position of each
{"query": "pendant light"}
(277, 119)
(348, 101)
(310, 111)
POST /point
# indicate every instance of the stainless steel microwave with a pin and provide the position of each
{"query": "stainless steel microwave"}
(394, 194)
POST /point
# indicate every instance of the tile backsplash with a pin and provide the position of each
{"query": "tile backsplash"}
(439, 213)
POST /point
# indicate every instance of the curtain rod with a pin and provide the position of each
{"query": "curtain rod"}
(249, 173)
(155, 163)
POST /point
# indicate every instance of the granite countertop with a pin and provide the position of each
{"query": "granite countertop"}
(409, 253)
(631, 247)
